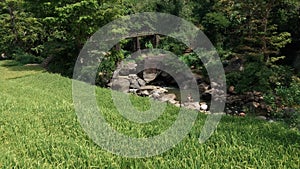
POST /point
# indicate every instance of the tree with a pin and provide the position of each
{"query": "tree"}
(68, 24)
(259, 35)
(19, 30)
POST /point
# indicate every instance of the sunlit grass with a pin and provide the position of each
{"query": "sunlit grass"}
(39, 129)
(10, 69)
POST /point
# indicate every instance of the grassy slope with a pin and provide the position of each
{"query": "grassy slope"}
(39, 128)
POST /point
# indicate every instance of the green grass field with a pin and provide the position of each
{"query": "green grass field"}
(39, 129)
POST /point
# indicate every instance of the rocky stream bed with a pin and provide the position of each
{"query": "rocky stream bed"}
(161, 86)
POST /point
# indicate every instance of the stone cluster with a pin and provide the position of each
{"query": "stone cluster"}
(151, 83)
(127, 80)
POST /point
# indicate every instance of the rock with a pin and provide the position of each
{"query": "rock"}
(155, 95)
(133, 81)
(208, 112)
(133, 91)
(33, 64)
(160, 90)
(141, 82)
(123, 77)
(148, 87)
(144, 93)
(178, 105)
(174, 102)
(214, 84)
(264, 106)
(127, 68)
(150, 74)
(133, 76)
(271, 121)
(134, 85)
(214, 91)
(189, 98)
(256, 98)
(255, 104)
(167, 97)
(203, 87)
(203, 106)
(121, 84)
(228, 111)
(123, 72)
(261, 117)
(115, 74)
(257, 93)
(231, 90)
(192, 105)
(243, 114)
(3, 56)
(152, 91)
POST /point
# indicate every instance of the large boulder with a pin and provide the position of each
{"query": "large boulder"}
(127, 68)
(133, 79)
(121, 84)
(141, 82)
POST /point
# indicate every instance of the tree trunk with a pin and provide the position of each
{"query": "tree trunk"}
(47, 61)
(156, 41)
(265, 32)
(136, 44)
(118, 47)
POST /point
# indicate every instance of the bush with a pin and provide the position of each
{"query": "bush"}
(257, 76)
(192, 60)
(108, 66)
(26, 58)
(285, 103)
(254, 77)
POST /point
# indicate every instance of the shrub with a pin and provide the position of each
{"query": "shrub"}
(26, 58)
(192, 60)
(285, 102)
(258, 76)
(108, 66)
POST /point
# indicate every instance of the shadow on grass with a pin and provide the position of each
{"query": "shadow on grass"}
(11, 69)
(13, 65)
(20, 77)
